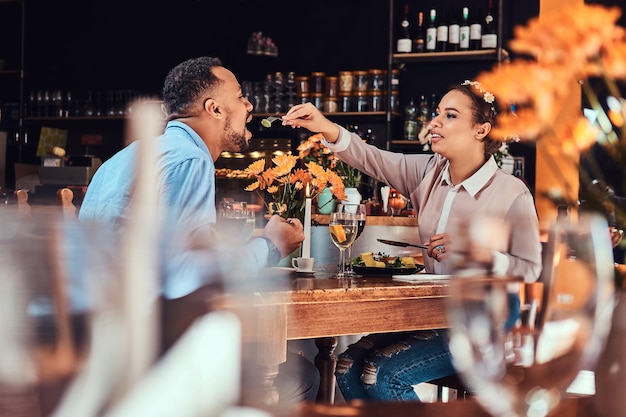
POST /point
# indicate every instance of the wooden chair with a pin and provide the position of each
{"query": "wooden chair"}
(56, 352)
(24, 211)
(453, 382)
(64, 197)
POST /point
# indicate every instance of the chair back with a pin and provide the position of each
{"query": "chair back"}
(65, 197)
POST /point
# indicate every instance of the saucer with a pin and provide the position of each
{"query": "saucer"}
(305, 272)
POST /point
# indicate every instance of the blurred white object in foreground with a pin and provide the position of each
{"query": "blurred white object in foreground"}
(199, 376)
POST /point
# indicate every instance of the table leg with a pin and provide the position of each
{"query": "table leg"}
(325, 361)
(260, 391)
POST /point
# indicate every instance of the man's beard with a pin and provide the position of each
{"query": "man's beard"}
(233, 141)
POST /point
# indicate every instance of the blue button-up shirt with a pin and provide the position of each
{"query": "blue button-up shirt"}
(186, 182)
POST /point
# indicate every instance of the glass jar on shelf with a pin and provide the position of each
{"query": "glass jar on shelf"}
(361, 81)
(346, 102)
(346, 82)
(318, 100)
(302, 85)
(330, 104)
(331, 87)
(362, 101)
(303, 98)
(394, 103)
(377, 80)
(317, 82)
(378, 101)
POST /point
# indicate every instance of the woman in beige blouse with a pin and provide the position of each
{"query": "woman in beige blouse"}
(461, 180)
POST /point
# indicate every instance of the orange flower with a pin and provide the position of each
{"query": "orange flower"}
(284, 164)
(287, 185)
(256, 168)
(559, 53)
(313, 150)
(572, 36)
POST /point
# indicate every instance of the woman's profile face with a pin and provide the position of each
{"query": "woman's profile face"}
(454, 132)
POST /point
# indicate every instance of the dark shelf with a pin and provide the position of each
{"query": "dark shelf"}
(335, 114)
(255, 115)
(10, 72)
(481, 55)
(73, 118)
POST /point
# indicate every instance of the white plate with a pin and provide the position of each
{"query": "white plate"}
(277, 272)
(420, 277)
(284, 268)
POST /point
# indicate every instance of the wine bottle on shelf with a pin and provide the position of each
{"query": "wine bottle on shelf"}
(454, 32)
(419, 43)
(404, 40)
(476, 33)
(423, 114)
(433, 107)
(489, 37)
(464, 31)
(431, 32)
(442, 33)
(410, 121)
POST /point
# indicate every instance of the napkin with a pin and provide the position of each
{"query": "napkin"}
(420, 277)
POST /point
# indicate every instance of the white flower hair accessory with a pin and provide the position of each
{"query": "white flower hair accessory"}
(488, 97)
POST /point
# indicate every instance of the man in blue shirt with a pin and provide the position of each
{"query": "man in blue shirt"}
(207, 115)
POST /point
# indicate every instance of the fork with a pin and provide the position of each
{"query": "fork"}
(267, 122)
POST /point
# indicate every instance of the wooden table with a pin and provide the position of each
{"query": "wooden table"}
(323, 308)
(569, 407)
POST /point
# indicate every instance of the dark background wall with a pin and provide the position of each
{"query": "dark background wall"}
(88, 45)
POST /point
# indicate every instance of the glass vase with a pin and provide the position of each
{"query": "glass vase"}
(325, 202)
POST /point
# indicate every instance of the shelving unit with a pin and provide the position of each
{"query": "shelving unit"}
(12, 20)
(406, 60)
(480, 55)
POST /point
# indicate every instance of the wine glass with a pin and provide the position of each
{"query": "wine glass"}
(235, 223)
(520, 361)
(360, 211)
(342, 228)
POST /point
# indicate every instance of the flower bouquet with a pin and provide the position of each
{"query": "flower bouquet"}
(313, 150)
(289, 186)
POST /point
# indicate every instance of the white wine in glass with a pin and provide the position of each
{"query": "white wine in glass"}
(360, 211)
(343, 229)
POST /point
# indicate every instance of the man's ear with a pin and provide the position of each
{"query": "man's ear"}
(483, 130)
(211, 107)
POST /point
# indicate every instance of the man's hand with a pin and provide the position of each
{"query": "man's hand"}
(286, 234)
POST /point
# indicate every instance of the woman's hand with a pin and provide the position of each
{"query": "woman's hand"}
(309, 117)
(438, 246)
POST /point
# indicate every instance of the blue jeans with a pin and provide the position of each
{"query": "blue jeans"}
(385, 367)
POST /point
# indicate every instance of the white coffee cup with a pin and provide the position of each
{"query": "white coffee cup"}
(303, 264)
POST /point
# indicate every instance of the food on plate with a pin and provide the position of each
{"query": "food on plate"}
(408, 261)
(383, 260)
(367, 258)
